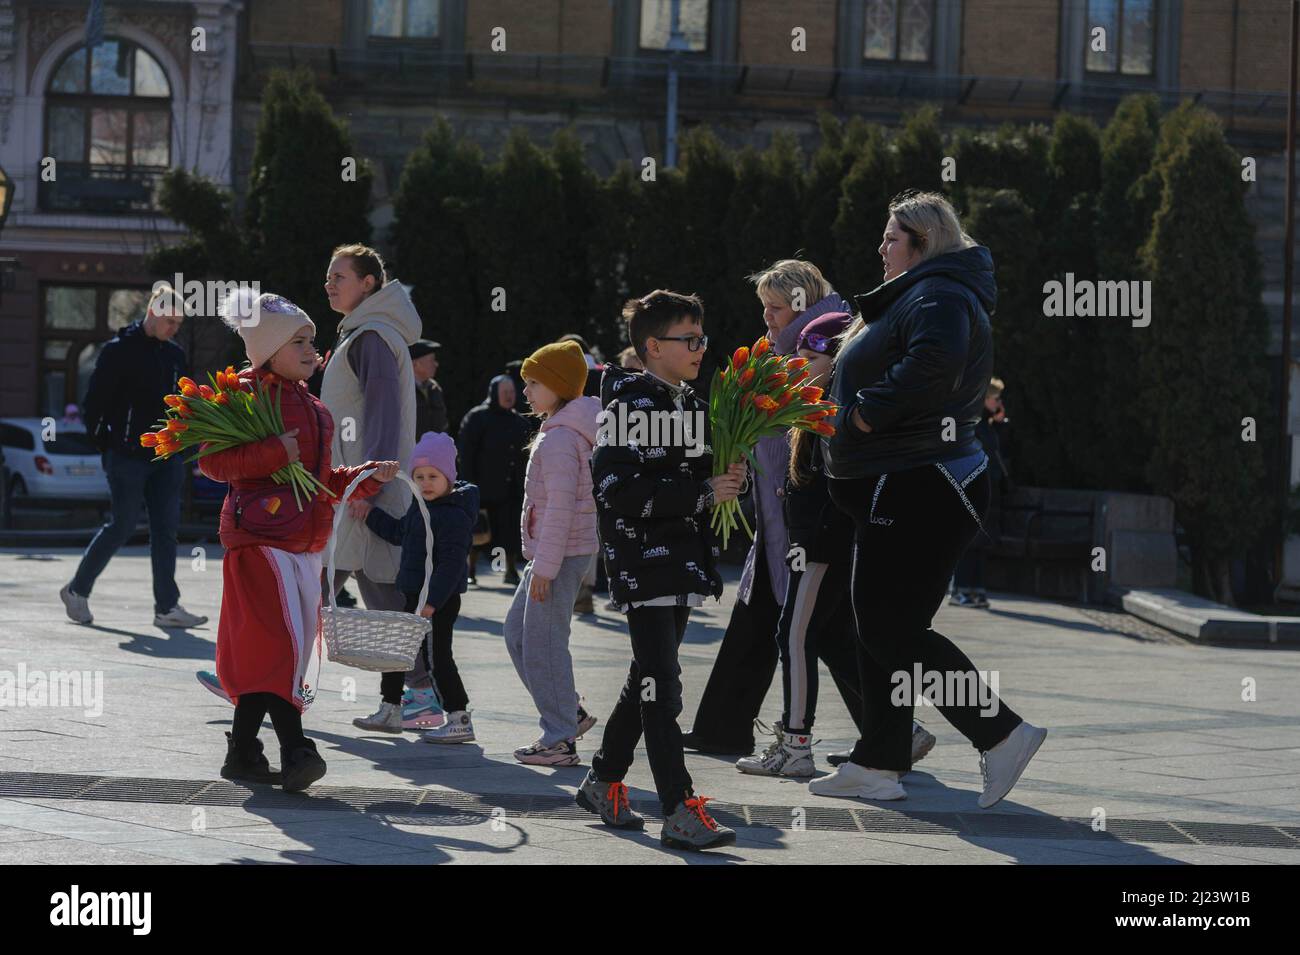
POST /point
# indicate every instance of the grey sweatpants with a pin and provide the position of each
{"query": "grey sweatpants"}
(537, 637)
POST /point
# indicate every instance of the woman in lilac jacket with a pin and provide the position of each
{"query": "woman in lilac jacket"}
(793, 293)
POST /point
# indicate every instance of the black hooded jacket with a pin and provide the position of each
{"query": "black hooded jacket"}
(926, 355)
(491, 449)
(653, 502)
(818, 530)
(124, 397)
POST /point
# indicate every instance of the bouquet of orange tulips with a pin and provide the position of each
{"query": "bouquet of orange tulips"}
(758, 394)
(229, 412)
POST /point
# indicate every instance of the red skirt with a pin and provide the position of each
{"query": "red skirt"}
(269, 635)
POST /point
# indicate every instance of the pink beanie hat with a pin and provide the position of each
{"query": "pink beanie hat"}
(435, 449)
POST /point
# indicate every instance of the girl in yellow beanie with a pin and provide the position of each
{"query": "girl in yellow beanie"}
(559, 538)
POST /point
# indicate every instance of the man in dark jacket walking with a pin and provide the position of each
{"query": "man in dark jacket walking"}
(430, 404)
(123, 399)
(491, 443)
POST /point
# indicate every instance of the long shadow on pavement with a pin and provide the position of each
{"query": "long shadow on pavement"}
(340, 821)
(175, 643)
(1009, 828)
(424, 764)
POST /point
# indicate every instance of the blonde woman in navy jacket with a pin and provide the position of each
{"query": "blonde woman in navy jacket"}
(905, 465)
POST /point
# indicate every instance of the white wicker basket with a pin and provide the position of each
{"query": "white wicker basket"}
(379, 640)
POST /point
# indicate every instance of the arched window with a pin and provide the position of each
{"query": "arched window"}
(108, 126)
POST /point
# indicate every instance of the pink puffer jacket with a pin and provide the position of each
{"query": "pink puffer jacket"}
(559, 517)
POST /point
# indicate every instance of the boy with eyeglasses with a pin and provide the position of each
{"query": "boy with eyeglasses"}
(653, 503)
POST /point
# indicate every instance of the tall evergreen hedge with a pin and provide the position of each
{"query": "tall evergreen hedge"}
(1094, 402)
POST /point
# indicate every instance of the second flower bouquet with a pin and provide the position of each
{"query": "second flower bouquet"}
(759, 393)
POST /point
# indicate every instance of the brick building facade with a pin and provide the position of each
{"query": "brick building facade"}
(392, 66)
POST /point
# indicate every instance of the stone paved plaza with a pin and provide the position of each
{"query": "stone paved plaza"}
(1148, 733)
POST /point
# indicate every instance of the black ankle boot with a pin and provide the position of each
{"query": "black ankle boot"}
(302, 766)
(247, 764)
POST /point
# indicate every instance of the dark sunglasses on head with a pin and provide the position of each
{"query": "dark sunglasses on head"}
(693, 342)
(818, 343)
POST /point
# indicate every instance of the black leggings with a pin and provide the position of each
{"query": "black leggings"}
(910, 528)
(437, 660)
(252, 708)
(817, 622)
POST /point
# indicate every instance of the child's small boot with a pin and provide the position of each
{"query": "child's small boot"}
(301, 766)
(386, 719)
(247, 763)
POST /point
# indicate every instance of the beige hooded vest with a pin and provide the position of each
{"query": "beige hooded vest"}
(391, 314)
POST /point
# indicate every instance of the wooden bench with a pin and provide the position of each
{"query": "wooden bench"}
(1037, 534)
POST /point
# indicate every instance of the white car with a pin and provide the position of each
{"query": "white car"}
(68, 466)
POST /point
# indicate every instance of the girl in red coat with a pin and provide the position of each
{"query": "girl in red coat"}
(268, 640)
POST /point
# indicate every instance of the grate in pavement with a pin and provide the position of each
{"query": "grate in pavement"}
(1229, 834)
(429, 804)
(1147, 830)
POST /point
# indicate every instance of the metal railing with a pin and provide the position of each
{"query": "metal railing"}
(430, 73)
(90, 187)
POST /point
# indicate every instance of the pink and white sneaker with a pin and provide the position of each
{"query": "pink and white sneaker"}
(422, 710)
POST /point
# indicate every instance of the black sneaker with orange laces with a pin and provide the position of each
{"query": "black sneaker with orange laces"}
(690, 826)
(609, 801)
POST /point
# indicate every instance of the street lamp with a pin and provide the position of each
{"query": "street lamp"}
(676, 46)
(1288, 284)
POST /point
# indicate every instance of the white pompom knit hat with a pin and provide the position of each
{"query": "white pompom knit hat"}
(264, 322)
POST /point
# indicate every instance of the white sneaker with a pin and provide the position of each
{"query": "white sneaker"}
(178, 616)
(790, 754)
(78, 607)
(457, 729)
(386, 719)
(1002, 765)
(856, 782)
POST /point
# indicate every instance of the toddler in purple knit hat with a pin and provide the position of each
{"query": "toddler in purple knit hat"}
(437, 701)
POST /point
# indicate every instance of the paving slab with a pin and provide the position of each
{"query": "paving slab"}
(1150, 728)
